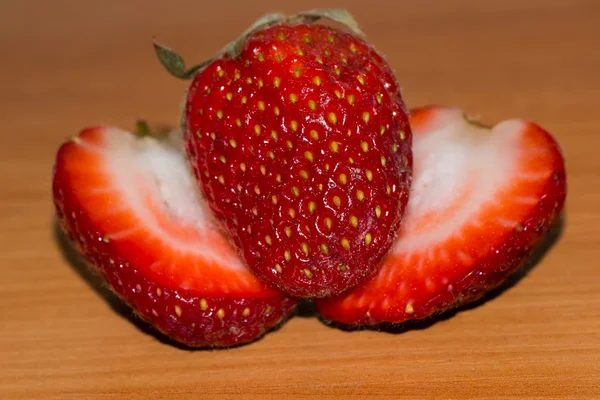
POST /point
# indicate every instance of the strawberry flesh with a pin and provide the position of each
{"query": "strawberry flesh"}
(482, 199)
(130, 206)
(303, 149)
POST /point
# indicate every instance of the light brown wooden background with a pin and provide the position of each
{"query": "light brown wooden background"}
(68, 64)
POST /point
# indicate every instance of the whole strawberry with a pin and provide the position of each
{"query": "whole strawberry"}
(298, 136)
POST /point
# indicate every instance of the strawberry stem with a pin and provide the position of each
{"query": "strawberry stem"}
(143, 129)
(474, 121)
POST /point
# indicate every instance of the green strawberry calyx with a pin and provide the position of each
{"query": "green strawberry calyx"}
(175, 65)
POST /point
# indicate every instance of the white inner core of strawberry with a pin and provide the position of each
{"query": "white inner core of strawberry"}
(153, 175)
(175, 184)
(458, 170)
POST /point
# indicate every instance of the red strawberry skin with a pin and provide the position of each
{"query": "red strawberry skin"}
(192, 297)
(415, 283)
(303, 149)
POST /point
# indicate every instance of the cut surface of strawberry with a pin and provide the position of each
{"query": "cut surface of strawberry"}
(481, 200)
(131, 207)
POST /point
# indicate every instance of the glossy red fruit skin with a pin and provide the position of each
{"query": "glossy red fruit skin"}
(232, 108)
(185, 316)
(492, 271)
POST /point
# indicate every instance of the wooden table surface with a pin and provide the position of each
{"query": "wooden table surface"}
(66, 65)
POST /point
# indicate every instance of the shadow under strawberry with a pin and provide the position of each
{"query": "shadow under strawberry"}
(551, 238)
(77, 263)
(306, 309)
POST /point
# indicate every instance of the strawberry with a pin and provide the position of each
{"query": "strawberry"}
(131, 207)
(482, 198)
(299, 139)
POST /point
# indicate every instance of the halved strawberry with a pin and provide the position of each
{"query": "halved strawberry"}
(481, 200)
(131, 206)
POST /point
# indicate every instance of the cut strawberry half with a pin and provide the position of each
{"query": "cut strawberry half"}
(131, 206)
(481, 200)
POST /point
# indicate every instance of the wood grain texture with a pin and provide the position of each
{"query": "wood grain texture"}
(66, 65)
